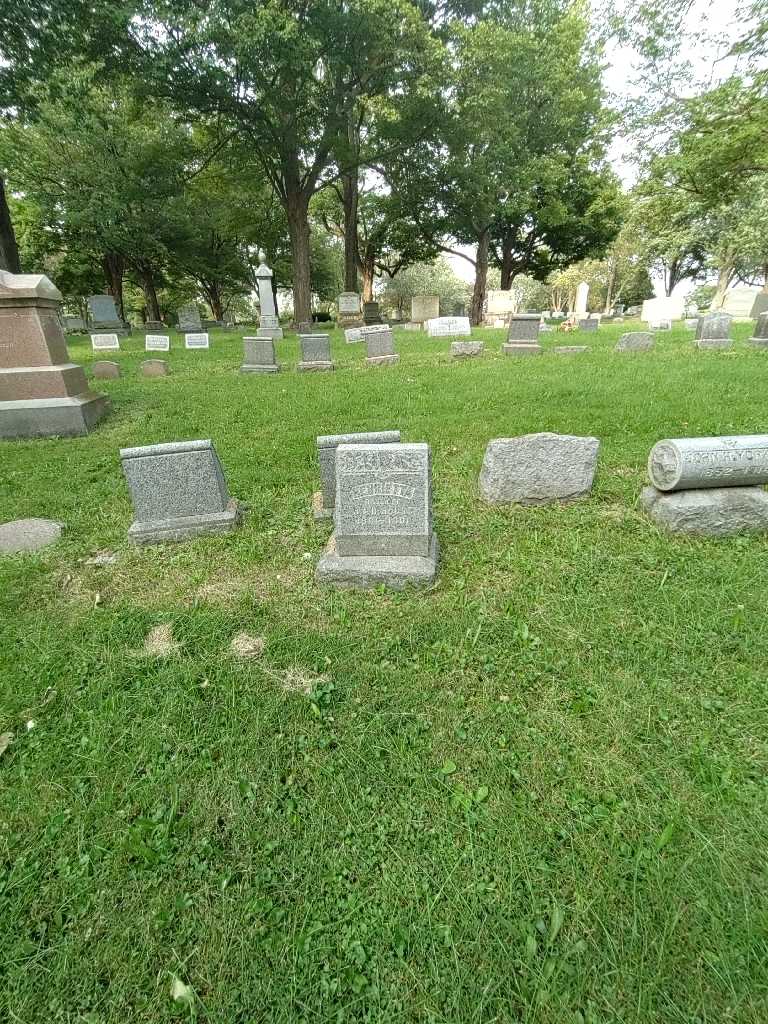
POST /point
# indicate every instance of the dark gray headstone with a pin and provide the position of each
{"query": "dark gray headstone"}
(524, 327)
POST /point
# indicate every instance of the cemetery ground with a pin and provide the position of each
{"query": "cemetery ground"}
(535, 792)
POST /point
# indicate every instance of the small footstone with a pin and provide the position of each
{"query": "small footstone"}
(466, 349)
(708, 512)
(105, 369)
(537, 469)
(570, 350)
(154, 368)
(635, 341)
(519, 348)
(28, 535)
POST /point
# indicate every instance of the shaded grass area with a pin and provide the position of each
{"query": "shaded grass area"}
(534, 793)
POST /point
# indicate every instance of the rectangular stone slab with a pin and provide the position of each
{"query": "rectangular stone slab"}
(327, 445)
(383, 500)
(524, 327)
(174, 480)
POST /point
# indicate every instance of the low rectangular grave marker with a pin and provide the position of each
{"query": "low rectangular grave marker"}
(157, 343)
(196, 340)
(104, 342)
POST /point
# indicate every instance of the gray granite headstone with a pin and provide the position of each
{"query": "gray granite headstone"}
(74, 325)
(466, 349)
(327, 445)
(759, 306)
(712, 512)
(524, 327)
(380, 346)
(103, 310)
(259, 356)
(315, 352)
(684, 463)
(537, 469)
(635, 341)
(178, 491)
(371, 313)
(714, 330)
(383, 518)
(760, 337)
(189, 319)
(590, 324)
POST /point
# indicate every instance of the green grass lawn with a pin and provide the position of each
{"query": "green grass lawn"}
(535, 793)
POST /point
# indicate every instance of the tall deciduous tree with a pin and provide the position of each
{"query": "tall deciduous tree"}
(286, 74)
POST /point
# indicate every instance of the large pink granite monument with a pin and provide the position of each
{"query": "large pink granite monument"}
(42, 394)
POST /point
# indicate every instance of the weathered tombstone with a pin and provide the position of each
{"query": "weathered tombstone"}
(714, 331)
(315, 353)
(524, 327)
(590, 324)
(448, 326)
(424, 307)
(42, 394)
(380, 346)
(324, 500)
(105, 342)
(189, 319)
(157, 343)
(352, 335)
(74, 325)
(618, 309)
(635, 341)
(466, 349)
(28, 535)
(760, 337)
(383, 518)
(660, 325)
(684, 463)
(211, 325)
(522, 348)
(710, 486)
(582, 298)
(259, 356)
(105, 369)
(759, 306)
(371, 313)
(570, 350)
(196, 340)
(349, 310)
(711, 512)
(739, 301)
(691, 323)
(411, 326)
(499, 305)
(178, 491)
(537, 469)
(104, 316)
(154, 368)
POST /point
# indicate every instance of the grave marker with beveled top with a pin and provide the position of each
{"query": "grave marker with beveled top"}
(157, 343)
(383, 518)
(315, 353)
(178, 491)
(635, 341)
(196, 340)
(324, 501)
(350, 313)
(448, 326)
(590, 324)
(105, 342)
(42, 394)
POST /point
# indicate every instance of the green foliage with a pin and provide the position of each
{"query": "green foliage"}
(436, 278)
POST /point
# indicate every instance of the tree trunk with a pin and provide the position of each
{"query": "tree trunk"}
(368, 272)
(214, 296)
(9, 250)
(481, 278)
(507, 276)
(724, 277)
(150, 293)
(350, 198)
(113, 266)
(610, 286)
(297, 207)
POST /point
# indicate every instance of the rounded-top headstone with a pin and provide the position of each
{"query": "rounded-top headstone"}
(28, 535)
(154, 368)
(105, 369)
